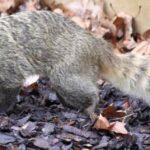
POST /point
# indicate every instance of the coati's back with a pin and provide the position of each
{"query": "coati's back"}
(35, 29)
(32, 33)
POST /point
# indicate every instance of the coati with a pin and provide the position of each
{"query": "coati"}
(48, 44)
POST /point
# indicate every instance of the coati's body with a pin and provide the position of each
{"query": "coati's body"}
(48, 44)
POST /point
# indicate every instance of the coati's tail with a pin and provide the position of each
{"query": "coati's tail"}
(131, 74)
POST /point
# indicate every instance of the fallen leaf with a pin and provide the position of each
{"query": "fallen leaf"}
(101, 123)
(4, 122)
(58, 11)
(79, 21)
(118, 127)
(48, 128)
(128, 20)
(79, 132)
(41, 143)
(4, 139)
(8, 7)
(146, 34)
(126, 104)
(30, 80)
(143, 48)
(98, 10)
(23, 120)
(31, 5)
(119, 22)
(59, 8)
(87, 6)
(28, 128)
(130, 44)
(30, 84)
(6, 4)
(75, 7)
(111, 111)
(47, 3)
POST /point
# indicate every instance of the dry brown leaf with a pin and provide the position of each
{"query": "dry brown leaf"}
(98, 10)
(31, 5)
(111, 111)
(29, 85)
(51, 4)
(94, 11)
(110, 37)
(146, 34)
(48, 3)
(87, 6)
(79, 21)
(106, 23)
(142, 48)
(28, 128)
(58, 11)
(118, 127)
(41, 143)
(130, 43)
(128, 24)
(87, 9)
(6, 4)
(123, 23)
(119, 22)
(75, 7)
(101, 123)
(30, 80)
(126, 104)
(89, 15)
(100, 82)
(59, 8)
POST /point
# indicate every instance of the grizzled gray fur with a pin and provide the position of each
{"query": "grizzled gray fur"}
(48, 44)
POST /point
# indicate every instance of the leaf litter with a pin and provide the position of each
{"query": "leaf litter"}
(39, 121)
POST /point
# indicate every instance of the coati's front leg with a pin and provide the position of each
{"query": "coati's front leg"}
(78, 92)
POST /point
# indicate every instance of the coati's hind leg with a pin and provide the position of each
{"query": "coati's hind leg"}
(78, 92)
